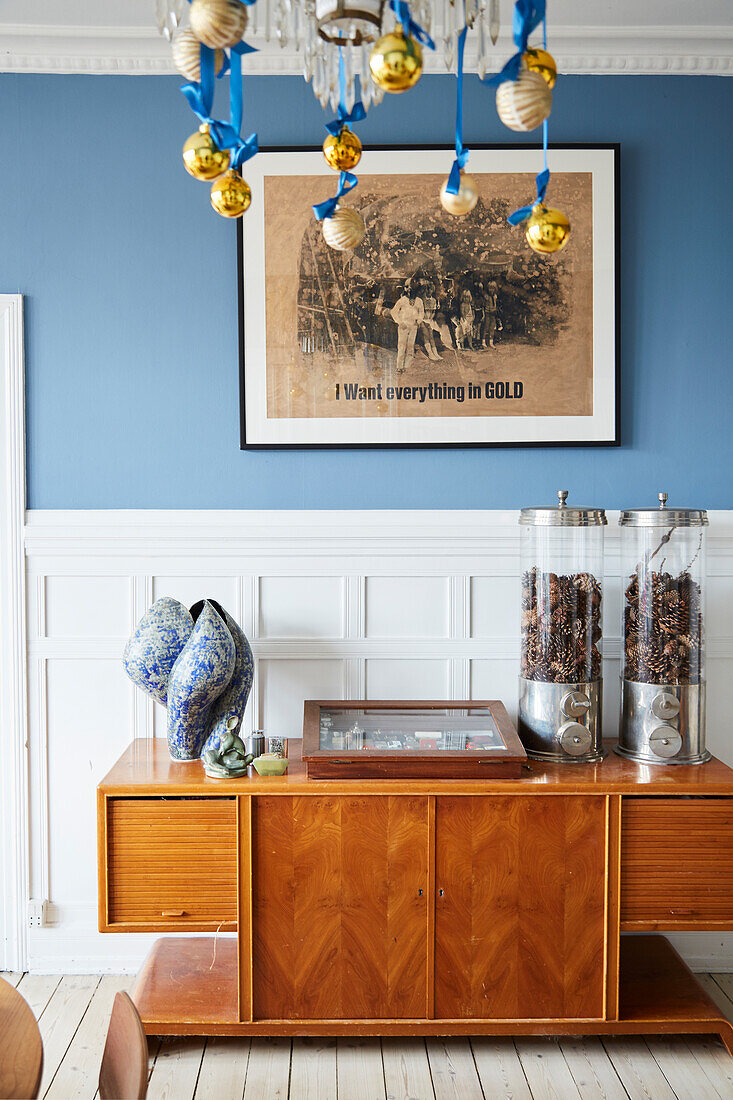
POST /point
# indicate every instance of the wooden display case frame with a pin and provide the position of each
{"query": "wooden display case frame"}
(410, 763)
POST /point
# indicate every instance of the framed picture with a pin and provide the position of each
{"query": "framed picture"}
(436, 330)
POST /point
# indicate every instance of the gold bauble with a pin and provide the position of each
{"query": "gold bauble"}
(396, 62)
(464, 201)
(542, 62)
(524, 103)
(202, 157)
(344, 230)
(218, 23)
(230, 195)
(186, 50)
(546, 230)
(342, 151)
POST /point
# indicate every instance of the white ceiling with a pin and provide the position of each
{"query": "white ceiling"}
(637, 36)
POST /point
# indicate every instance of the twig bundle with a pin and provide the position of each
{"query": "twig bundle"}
(561, 627)
(663, 628)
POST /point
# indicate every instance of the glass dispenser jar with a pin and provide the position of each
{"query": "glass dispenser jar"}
(663, 635)
(560, 684)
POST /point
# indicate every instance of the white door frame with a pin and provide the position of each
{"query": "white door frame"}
(14, 820)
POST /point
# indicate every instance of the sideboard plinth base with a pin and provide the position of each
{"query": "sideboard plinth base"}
(188, 986)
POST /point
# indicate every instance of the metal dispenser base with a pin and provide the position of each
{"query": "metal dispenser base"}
(561, 722)
(663, 723)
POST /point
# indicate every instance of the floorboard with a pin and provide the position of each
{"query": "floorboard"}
(224, 1068)
(715, 987)
(407, 1070)
(313, 1069)
(453, 1069)
(78, 1074)
(176, 1069)
(546, 1069)
(360, 1069)
(686, 1076)
(268, 1070)
(38, 989)
(60, 1019)
(73, 1014)
(592, 1070)
(499, 1069)
(724, 982)
(639, 1073)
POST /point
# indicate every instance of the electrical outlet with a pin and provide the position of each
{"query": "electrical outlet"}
(36, 913)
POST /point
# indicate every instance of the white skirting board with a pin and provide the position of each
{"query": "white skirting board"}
(335, 604)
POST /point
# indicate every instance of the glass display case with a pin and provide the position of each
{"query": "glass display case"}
(560, 686)
(379, 740)
(663, 634)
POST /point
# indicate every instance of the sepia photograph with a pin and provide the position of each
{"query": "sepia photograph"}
(434, 328)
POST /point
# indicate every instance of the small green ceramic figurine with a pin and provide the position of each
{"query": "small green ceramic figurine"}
(231, 759)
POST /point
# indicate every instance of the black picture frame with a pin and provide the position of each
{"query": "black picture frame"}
(614, 147)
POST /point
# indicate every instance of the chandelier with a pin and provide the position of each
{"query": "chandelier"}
(353, 52)
(311, 27)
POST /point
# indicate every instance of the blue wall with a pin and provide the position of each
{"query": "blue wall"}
(131, 301)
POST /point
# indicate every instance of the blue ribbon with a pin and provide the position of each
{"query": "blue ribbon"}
(528, 14)
(356, 114)
(201, 98)
(409, 27)
(542, 179)
(347, 182)
(454, 179)
(524, 211)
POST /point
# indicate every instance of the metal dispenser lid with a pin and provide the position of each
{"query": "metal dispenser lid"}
(562, 515)
(663, 516)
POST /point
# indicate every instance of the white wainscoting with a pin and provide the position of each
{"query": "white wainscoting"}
(336, 604)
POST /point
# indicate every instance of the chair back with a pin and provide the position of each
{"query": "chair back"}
(124, 1071)
(21, 1049)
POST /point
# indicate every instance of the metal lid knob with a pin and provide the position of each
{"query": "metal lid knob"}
(575, 704)
(665, 705)
(665, 741)
(575, 739)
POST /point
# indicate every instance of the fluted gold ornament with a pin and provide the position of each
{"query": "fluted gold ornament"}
(344, 230)
(230, 195)
(546, 230)
(524, 103)
(396, 62)
(202, 157)
(186, 50)
(342, 151)
(218, 23)
(464, 201)
(542, 62)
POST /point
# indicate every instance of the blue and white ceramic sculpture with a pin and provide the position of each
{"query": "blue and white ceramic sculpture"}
(233, 700)
(155, 646)
(198, 663)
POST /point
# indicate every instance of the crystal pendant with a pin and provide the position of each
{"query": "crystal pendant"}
(169, 14)
(494, 21)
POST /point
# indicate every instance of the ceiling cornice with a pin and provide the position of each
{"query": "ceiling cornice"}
(138, 51)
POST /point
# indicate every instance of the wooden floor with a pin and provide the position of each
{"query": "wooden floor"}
(73, 1012)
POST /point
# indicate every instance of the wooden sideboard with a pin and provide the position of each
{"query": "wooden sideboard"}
(395, 907)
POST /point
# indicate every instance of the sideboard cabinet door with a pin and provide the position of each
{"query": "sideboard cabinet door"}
(340, 907)
(519, 923)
